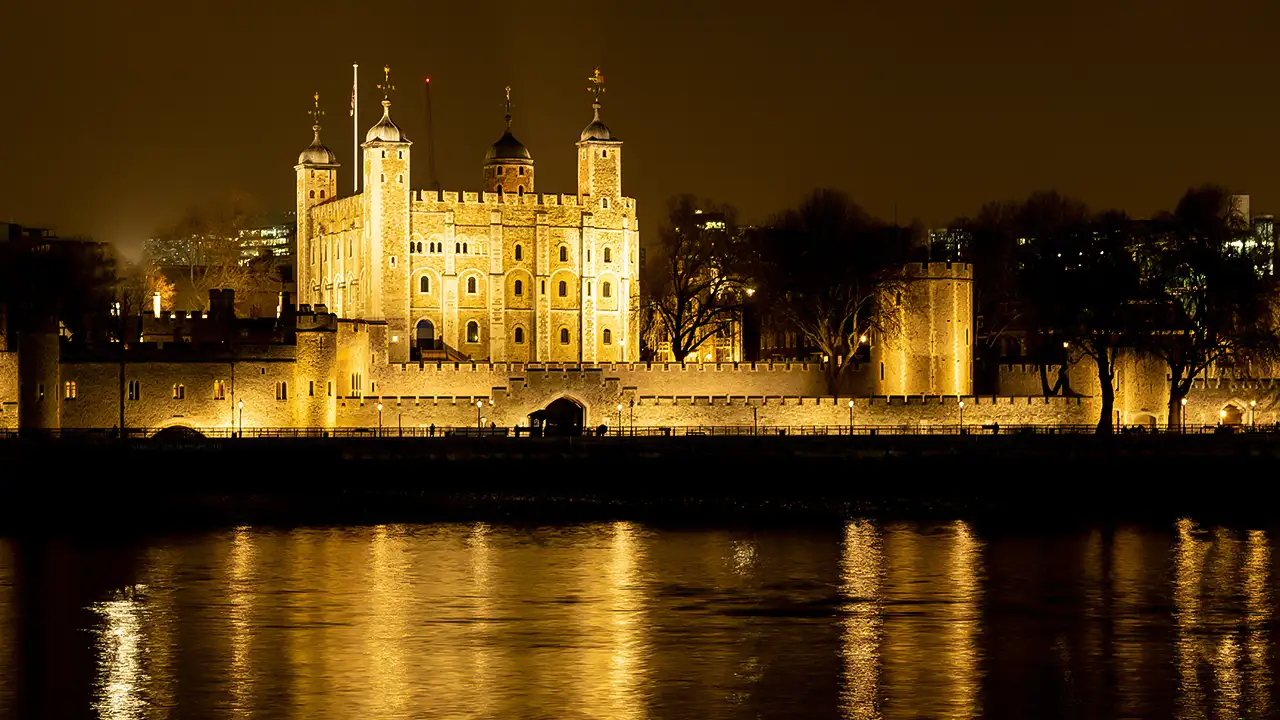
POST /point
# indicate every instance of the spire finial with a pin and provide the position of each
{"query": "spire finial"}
(316, 113)
(508, 107)
(596, 88)
(386, 87)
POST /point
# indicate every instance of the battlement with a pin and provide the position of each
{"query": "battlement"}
(939, 271)
(519, 368)
(317, 320)
(531, 200)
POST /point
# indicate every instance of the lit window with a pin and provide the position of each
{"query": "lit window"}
(471, 286)
(564, 289)
(519, 336)
(282, 391)
(135, 389)
(606, 289)
(564, 254)
(608, 255)
(473, 332)
(69, 389)
(564, 336)
(519, 288)
(179, 391)
(519, 253)
(424, 284)
(219, 390)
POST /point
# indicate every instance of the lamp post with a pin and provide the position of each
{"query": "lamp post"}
(962, 416)
(851, 418)
(633, 417)
(1222, 417)
(479, 405)
(240, 407)
(1253, 414)
(1182, 416)
(379, 419)
(754, 417)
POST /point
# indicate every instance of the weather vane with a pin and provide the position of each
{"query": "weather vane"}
(316, 113)
(508, 107)
(386, 87)
(597, 85)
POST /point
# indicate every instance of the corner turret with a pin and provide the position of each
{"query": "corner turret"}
(317, 182)
(508, 166)
(599, 157)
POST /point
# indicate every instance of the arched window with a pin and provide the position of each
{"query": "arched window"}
(608, 336)
(606, 290)
(520, 189)
(424, 284)
(313, 194)
(604, 203)
(564, 254)
(521, 171)
(321, 194)
(604, 153)
(519, 252)
(519, 288)
(457, 247)
(608, 255)
(564, 336)
(464, 248)
(473, 332)
(519, 336)
(564, 289)
(471, 285)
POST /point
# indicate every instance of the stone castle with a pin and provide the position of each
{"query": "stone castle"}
(508, 307)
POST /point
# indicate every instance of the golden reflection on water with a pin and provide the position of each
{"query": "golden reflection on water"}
(862, 567)
(241, 590)
(1218, 641)
(965, 578)
(1127, 582)
(121, 678)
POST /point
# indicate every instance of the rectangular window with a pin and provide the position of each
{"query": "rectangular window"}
(135, 390)
(69, 389)
(311, 388)
(330, 388)
(219, 390)
(179, 391)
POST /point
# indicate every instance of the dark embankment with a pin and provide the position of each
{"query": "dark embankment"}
(62, 485)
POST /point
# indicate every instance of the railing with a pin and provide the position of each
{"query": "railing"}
(179, 433)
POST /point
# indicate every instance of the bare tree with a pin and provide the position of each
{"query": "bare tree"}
(210, 254)
(694, 277)
(826, 269)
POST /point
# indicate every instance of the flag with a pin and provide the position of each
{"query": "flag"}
(354, 79)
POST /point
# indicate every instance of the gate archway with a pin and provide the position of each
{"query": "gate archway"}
(564, 416)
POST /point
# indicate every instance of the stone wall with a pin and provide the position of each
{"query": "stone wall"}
(8, 390)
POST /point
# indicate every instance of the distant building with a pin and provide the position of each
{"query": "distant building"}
(949, 244)
(267, 236)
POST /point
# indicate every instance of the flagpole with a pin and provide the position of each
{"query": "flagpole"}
(355, 127)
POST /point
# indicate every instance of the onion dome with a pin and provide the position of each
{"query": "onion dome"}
(597, 130)
(385, 130)
(316, 153)
(508, 148)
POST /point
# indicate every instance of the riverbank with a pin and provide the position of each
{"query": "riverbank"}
(144, 485)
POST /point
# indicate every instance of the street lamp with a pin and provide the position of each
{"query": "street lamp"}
(479, 404)
(1253, 413)
(379, 419)
(619, 419)
(961, 416)
(240, 407)
(633, 417)
(850, 417)
(1222, 417)
(1182, 415)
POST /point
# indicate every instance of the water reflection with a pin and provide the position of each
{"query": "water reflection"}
(620, 620)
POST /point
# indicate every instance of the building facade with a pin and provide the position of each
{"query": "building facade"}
(503, 274)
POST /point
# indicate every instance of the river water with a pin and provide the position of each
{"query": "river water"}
(621, 620)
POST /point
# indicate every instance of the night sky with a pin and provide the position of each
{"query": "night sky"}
(118, 116)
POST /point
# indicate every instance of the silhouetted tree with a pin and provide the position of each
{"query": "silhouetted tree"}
(212, 257)
(138, 284)
(694, 277)
(1209, 301)
(48, 282)
(825, 269)
(1082, 287)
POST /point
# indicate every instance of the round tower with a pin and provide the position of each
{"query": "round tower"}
(929, 347)
(317, 176)
(508, 166)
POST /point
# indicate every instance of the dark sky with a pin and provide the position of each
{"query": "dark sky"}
(117, 116)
